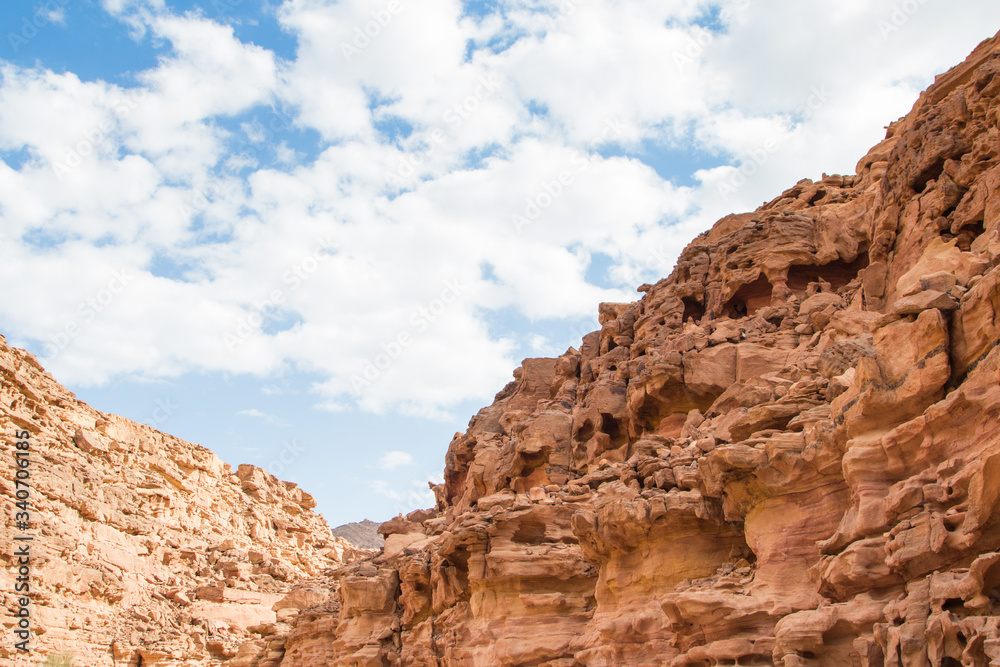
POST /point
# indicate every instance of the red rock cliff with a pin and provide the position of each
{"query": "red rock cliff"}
(786, 453)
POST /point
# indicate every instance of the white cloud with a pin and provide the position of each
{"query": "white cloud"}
(55, 15)
(270, 419)
(395, 459)
(408, 496)
(323, 261)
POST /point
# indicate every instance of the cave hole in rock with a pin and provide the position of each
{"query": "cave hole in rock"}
(842, 634)
(668, 401)
(458, 562)
(927, 174)
(529, 532)
(952, 604)
(693, 310)
(585, 432)
(613, 428)
(838, 273)
(819, 194)
(876, 657)
(991, 580)
(950, 662)
(966, 235)
(749, 299)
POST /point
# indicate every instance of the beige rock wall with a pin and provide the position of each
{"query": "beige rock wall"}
(145, 546)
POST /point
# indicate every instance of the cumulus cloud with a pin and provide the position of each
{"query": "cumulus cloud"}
(366, 209)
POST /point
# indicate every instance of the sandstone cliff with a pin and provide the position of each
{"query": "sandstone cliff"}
(786, 453)
(147, 549)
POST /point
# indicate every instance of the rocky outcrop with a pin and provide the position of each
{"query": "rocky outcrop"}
(786, 453)
(145, 549)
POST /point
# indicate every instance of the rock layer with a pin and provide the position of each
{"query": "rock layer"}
(146, 549)
(786, 453)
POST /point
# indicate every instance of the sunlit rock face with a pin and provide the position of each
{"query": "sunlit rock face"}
(145, 549)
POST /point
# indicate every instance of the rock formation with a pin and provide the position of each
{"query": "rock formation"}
(786, 453)
(147, 549)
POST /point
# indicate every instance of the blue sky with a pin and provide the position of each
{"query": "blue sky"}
(318, 236)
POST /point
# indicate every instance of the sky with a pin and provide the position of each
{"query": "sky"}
(318, 236)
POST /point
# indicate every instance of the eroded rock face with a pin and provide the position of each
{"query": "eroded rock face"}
(147, 549)
(786, 453)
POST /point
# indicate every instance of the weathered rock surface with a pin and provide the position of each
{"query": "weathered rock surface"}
(147, 549)
(786, 453)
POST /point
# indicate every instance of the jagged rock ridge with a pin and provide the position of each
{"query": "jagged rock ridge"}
(786, 453)
(147, 549)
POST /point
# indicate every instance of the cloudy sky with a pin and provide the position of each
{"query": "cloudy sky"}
(317, 236)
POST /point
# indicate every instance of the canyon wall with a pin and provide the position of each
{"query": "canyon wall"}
(145, 549)
(785, 453)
